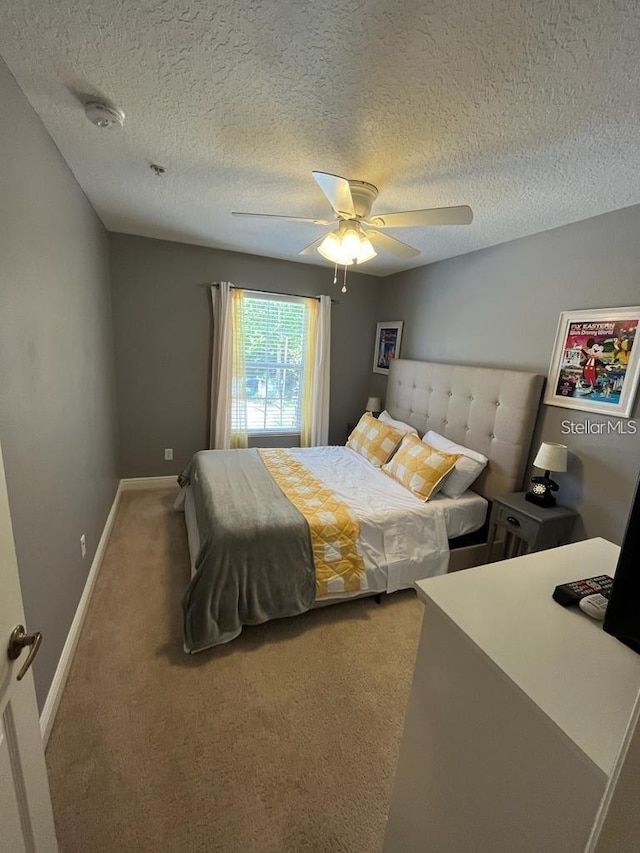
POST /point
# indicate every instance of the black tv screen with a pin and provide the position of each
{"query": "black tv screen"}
(622, 619)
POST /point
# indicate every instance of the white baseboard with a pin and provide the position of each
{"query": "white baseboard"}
(133, 483)
(66, 658)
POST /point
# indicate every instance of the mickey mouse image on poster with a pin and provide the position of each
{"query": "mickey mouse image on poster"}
(592, 364)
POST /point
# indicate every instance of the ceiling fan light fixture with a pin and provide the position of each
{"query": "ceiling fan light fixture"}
(331, 248)
(346, 246)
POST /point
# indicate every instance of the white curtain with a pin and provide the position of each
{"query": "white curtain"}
(315, 392)
(227, 370)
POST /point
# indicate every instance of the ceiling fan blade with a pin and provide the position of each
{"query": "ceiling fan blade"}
(286, 218)
(337, 191)
(308, 250)
(390, 244)
(461, 215)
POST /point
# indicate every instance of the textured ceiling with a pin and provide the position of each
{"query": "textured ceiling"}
(528, 110)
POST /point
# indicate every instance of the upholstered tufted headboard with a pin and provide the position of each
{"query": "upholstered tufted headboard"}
(489, 410)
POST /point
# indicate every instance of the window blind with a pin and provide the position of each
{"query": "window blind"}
(274, 334)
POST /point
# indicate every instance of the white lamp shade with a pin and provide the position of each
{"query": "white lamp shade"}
(374, 404)
(350, 243)
(551, 457)
(366, 252)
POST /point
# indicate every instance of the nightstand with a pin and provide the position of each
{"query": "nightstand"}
(528, 527)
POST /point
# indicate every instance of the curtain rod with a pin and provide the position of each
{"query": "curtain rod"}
(267, 292)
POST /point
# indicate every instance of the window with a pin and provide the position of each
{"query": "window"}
(274, 347)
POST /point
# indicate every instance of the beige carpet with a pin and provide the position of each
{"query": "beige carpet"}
(284, 740)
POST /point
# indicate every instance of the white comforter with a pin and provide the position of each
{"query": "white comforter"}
(402, 538)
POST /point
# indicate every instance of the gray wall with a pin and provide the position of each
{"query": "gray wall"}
(500, 307)
(162, 332)
(57, 392)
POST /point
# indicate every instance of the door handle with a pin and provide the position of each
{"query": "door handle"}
(19, 640)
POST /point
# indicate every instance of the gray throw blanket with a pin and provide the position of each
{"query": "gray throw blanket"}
(255, 561)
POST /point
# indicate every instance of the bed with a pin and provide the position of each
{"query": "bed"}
(251, 555)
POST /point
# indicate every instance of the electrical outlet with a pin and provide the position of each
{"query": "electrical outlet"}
(168, 454)
(83, 546)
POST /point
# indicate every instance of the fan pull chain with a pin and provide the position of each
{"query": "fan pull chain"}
(335, 273)
(344, 280)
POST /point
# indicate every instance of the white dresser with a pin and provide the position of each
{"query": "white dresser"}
(518, 711)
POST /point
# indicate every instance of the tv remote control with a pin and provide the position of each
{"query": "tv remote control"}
(571, 593)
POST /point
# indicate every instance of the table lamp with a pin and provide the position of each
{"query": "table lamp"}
(550, 457)
(374, 405)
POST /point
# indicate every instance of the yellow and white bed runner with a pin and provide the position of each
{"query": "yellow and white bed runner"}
(335, 532)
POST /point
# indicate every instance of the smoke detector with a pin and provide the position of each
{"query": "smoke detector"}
(102, 115)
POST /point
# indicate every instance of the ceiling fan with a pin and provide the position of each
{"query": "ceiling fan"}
(358, 233)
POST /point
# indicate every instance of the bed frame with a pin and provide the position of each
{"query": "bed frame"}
(487, 409)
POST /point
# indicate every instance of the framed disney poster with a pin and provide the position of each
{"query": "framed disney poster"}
(388, 339)
(595, 365)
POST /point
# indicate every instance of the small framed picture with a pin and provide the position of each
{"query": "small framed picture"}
(388, 339)
(595, 365)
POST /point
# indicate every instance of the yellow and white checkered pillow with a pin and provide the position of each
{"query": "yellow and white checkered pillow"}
(420, 467)
(374, 440)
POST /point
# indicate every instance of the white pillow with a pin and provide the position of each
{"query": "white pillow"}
(386, 418)
(467, 469)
